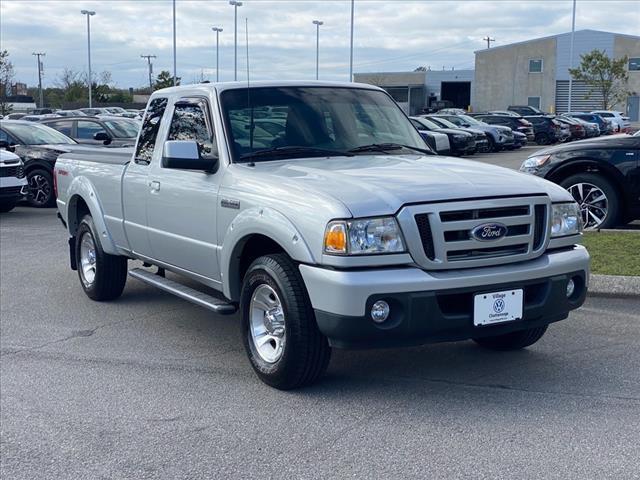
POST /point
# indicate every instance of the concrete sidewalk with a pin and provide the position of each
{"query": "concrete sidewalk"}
(614, 285)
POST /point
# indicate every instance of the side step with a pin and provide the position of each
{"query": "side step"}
(186, 293)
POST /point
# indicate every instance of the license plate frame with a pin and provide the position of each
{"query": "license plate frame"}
(493, 308)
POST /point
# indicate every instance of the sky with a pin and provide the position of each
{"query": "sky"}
(392, 35)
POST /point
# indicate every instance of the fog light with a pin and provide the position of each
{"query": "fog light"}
(571, 287)
(380, 311)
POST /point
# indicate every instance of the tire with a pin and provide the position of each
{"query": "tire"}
(512, 341)
(7, 206)
(286, 349)
(102, 276)
(40, 189)
(492, 145)
(542, 139)
(593, 186)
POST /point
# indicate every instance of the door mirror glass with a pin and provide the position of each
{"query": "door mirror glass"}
(185, 154)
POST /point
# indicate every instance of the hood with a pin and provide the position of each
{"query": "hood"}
(46, 152)
(381, 184)
(492, 128)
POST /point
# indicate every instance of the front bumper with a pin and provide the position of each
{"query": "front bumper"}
(438, 306)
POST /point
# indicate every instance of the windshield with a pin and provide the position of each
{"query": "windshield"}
(36, 134)
(428, 123)
(443, 122)
(123, 128)
(471, 120)
(322, 118)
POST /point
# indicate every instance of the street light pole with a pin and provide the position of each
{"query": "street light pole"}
(149, 57)
(40, 77)
(89, 14)
(573, 30)
(317, 23)
(235, 4)
(175, 63)
(217, 30)
(351, 46)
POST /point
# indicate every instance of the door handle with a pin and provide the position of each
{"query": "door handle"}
(155, 186)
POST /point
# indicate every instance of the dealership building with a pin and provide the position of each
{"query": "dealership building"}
(533, 72)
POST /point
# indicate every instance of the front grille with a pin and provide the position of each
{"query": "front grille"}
(17, 171)
(446, 238)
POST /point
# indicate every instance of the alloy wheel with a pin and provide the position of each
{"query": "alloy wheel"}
(594, 204)
(87, 259)
(39, 189)
(267, 323)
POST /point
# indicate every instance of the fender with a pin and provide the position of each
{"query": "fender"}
(81, 187)
(557, 172)
(263, 221)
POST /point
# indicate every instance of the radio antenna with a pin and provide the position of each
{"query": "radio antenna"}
(251, 124)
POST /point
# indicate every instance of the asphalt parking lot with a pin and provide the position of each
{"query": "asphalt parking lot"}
(150, 386)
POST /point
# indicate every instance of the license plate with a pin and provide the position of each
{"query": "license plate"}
(497, 307)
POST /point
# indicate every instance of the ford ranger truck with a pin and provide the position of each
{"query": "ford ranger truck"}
(317, 211)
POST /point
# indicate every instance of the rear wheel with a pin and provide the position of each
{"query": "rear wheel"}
(597, 197)
(279, 331)
(492, 145)
(542, 139)
(39, 189)
(102, 276)
(513, 340)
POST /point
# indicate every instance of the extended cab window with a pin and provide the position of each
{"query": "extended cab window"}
(189, 122)
(149, 130)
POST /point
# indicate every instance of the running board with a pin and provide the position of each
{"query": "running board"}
(186, 293)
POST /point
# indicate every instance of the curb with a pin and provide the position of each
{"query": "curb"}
(614, 286)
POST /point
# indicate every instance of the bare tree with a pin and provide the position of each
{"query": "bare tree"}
(6, 77)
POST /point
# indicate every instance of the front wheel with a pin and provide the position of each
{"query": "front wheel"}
(279, 331)
(513, 340)
(102, 276)
(40, 189)
(597, 197)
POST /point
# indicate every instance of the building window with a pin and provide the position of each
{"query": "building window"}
(535, 65)
(533, 102)
(634, 64)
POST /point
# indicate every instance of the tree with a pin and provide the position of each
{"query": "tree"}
(6, 77)
(164, 80)
(72, 85)
(604, 75)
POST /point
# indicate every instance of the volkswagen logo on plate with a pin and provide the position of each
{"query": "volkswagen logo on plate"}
(489, 231)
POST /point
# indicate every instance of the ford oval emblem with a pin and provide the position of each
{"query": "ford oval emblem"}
(489, 231)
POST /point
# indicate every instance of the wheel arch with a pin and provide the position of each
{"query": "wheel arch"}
(589, 165)
(252, 234)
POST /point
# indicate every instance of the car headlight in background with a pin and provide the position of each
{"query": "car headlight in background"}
(535, 162)
(565, 219)
(363, 237)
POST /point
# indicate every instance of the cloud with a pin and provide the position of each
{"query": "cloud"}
(389, 35)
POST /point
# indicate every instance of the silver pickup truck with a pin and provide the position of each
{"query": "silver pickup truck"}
(317, 210)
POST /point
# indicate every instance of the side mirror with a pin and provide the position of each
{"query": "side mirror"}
(7, 146)
(103, 137)
(185, 154)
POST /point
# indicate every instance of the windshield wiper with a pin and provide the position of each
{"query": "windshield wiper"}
(294, 150)
(386, 147)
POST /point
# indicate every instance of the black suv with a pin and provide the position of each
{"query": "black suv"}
(602, 175)
(111, 131)
(546, 130)
(525, 110)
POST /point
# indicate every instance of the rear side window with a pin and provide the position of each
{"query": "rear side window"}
(87, 130)
(62, 127)
(190, 122)
(149, 130)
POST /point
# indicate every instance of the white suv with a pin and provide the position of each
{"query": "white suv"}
(12, 179)
(620, 121)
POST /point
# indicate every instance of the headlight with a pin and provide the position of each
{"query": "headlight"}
(535, 162)
(363, 237)
(565, 219)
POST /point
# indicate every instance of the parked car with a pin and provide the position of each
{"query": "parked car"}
(37, 118)
(504, 112)
(38, 146)
(439, 142)
(111, 131)
(42, 111)
(620, 120)
(591, 129)
(452, 111)
(498, 137)
(12, 180)
(481, 140)
(548, 131)
(344, 233)
(576, 128)
(15, 116)
(606, 126)
(70, 113)
(92, 112)
(515, 123)
(601, 174)
(525, 110)
(461, 142)
(519, 140)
